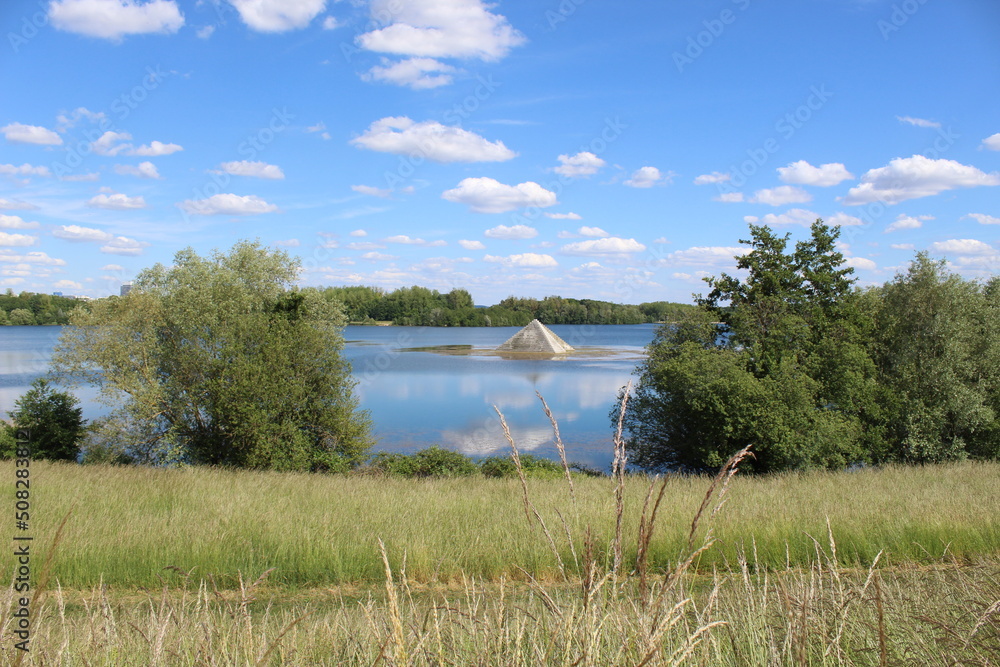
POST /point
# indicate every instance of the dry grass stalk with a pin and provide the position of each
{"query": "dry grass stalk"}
(559, 446)
(618, 470)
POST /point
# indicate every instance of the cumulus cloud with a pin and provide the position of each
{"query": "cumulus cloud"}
(142, 170)
(564, 216)
(592, 231)
(81, 234)
(471, 245)
(66, 121)
(122, 245)
(114, 19)
(17, 239)
(524, 260)
(431, 140)
(611, 245)
(15, 205)
(485, 195)
(227, 204)
(992, 142)
(278, 15)
(34, 257)
(582, 164)
(114, 143)
(112, 267)
(252, 169)
(825, 175)
(358, 232)
(730, 197)
(781, 195)
(205, 32)
(902, 246)
(843, 220)
(377, 256)
(16, 222)
(24, 170)
(907, 222)
(435, 29)
(415, 73)
(984, 219)
(330, 23)
(795, 216)
(919, 122)
(915, 177)
(155, 148)
(714, 177)
(647, 177)
(963, 247)
(860, 263)
(407, 240)
(117, 202)
(705, 256)
(511, 233)
(19, 133)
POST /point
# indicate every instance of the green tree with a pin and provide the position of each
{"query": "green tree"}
(220, 360)
(21, 317)
(775, 360)
(52, 420)
(937, 348)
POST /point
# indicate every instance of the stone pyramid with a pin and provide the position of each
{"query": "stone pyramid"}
(535, 337)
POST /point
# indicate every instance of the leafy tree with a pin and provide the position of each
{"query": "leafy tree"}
(220, 360)
(53, 421)
(21, 317)
(776, 360)
(937, 348)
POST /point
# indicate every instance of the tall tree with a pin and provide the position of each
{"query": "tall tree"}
(220, 360)
(52, 420)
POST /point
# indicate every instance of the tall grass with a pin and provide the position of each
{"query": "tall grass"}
(128, 523)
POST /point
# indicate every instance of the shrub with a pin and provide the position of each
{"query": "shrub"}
(533, 466)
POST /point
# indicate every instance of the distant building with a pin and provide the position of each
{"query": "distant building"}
(126, 288)
(57, 294)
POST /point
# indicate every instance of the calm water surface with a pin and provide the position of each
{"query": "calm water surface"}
(419, 396)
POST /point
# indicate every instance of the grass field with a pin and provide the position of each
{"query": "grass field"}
(873, 567)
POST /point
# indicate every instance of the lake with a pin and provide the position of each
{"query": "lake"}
(427, 385)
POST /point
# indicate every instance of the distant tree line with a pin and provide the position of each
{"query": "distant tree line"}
(812, 372)
(420, 306)
(29, 308)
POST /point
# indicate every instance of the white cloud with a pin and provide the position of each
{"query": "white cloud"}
(83, 234)
(252, 169)
(915, 177)
(781, 195)
(330, 23)
(111, 143)
(843, 220)
(154, 149)
(511, 233)
(24, 170)
(471, 245)
(372, 191)
(705, 256)
(919, 122)
(436, 29)
(992, 142)
(65, 121)
(34, 257)
(524, 260)
(984, 219)
(113, 19)
(963, 247)
(485, 195)
(16, 222)
(795, 216)
(407, 240)
(122, 245)
(647, 177)
(431, 140)
(117, 202)
(142, 170)
(79, 178)
(278, 15)
(902, 246)
(16, 239)
(30, 134)
(564, 216)
(860, 263)
(227, 204)
(907, 222)
(611, 245)
(112, 267)
(714, 177)
(825, 175)
(358, 232)
(67, 284)
(415, 73)
(730, 197)
(582, 164)
(205, 32)
(15, 205)
(377, 256)
(592, 231)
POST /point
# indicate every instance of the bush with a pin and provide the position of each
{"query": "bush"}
(431, 462)
(53, 420)
(533, 466)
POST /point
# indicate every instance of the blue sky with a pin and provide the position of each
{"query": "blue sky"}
(587, 148)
